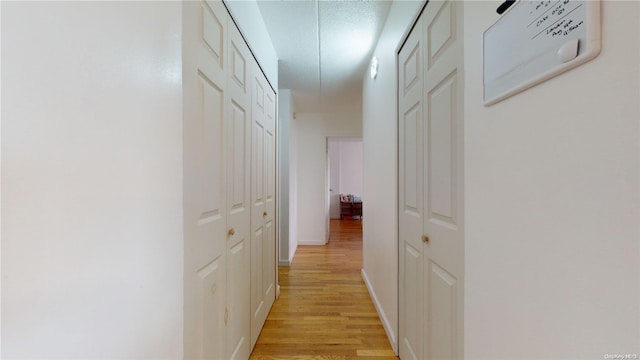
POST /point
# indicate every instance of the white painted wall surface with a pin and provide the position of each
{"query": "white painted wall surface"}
(247, 16)
(351, 167)
(380, 129)
(334, 179)
(553, 202)
(0, 189)
(312, 131)
(285, 115)
(293, 184)
(91, 180)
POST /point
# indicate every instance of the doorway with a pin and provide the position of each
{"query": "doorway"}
(344, 178)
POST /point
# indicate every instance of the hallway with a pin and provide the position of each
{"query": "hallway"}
(324, 310)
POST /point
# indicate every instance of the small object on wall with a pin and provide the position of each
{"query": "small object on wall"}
(504, 6)
(374, 67)
(536, 40)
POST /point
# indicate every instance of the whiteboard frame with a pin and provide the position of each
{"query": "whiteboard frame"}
(592, 46)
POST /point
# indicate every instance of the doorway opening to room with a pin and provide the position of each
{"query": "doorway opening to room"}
(344, 205)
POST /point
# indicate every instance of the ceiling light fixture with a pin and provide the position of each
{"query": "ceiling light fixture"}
(374, 67)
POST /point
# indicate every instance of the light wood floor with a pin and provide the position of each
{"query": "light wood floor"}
(324, 310)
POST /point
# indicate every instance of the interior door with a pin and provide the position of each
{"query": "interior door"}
(238, 140)
(443, 175)
(204, 174)
(410, 195)
(334, 179)
(327, 193)
(263, 203)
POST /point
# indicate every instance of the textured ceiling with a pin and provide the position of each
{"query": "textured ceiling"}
(324, 48)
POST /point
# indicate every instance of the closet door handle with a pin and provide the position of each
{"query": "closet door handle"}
(264, 214)
(231, 232)
(425, 239)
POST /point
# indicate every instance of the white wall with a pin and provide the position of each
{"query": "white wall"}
(553, 203)
(334, 179)
(248, 17)
(552, 199)
(380, 226)
(91, 180)
(285, 115)
(0, 188)
(351, 167)
(293, 184)
(312, 131)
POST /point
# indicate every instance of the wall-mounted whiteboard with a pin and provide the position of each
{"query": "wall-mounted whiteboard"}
(535, 41)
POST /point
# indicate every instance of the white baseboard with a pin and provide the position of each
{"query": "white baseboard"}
(312, 242)
(383, 317)
(287, 262)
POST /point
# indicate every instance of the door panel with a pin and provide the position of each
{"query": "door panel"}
(263, 203)
(213, 27)
(411, 301)
(211, 314)
(238, 317)
(257, 259)
(204, 174)
(238, 149)
(239, 203)
(443, 167)
(430, 99)
(258, 169)
(412, 161)
(410, 197)
(442, 313)
(441, 30)
(218, 134)
(268, 265)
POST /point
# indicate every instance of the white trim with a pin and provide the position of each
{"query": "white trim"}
(383, 318)
(287, 262)
(311, 242)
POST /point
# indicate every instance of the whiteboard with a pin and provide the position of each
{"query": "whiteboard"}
(535, 41)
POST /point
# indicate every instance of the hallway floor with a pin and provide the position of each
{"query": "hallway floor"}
(324, 310)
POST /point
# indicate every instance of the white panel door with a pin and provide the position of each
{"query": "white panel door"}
(263, 202)
(238, 139)
(443, 175)
(205, 201)
(410, 195)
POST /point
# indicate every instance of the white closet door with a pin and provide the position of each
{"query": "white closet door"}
(263, 202)
(410, 183)
(205, 201)
(431, 185)
(238, 122)
(443, 175)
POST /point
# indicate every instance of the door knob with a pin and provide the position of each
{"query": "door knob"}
(425, 239)
(232, 232)
(264, 214)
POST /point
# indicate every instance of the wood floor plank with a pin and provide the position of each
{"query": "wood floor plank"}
(324, 311)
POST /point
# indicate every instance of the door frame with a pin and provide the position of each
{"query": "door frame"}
(327, 176)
